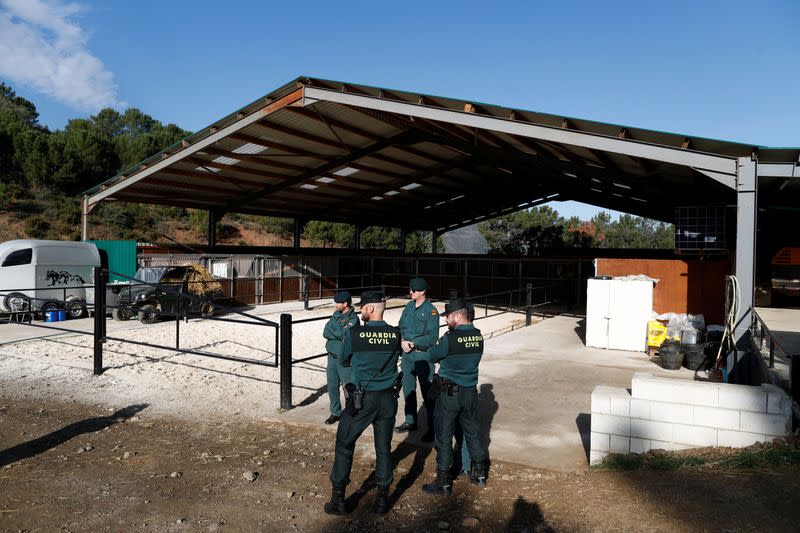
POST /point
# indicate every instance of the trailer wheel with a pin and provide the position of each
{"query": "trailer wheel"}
(121, 314)
(148, 314)
(76, 309)
(207, 309)
(16, 301)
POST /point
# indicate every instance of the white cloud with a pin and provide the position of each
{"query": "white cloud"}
(41, 46)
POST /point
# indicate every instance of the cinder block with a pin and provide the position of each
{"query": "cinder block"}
(738, 439)
(715, 417)
(778, 402)
(616, 425)
(665, 445)
(766, 424)
(620, 444)
(694, 435)
(671, 412)
(639, 381)
(600, 442)
(601, 400)
(743, 398)
(596, 457)
(648, 429)
(657, 391)
(621, 404)
(639, 445)
(696, 393)
(640, 408)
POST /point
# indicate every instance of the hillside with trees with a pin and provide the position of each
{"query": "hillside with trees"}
(43, 172)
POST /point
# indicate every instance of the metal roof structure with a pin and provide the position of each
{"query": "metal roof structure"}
(327, 150)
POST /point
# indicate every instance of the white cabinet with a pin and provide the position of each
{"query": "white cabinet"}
(617, 312)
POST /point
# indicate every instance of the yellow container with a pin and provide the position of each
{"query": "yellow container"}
(656, 333)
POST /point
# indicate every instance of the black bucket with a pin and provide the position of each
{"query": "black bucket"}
(670, 355)
(693, 356)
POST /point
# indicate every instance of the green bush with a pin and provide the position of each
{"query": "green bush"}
(37, 227)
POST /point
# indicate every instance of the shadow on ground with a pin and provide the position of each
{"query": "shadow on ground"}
(58, 437)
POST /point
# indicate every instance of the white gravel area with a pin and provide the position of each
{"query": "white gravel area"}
(179, 384)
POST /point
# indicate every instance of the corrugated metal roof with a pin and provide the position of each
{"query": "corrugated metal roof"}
(285, 155)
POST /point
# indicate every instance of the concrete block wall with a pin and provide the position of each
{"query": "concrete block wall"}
(669, 414)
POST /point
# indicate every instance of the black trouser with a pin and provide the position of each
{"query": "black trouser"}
(380, 409)
(461, 406)
(416, 366)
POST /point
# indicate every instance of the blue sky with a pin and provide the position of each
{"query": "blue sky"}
(724, 70)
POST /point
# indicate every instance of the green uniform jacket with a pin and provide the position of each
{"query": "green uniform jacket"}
(335, 328)
(458, 353)
(420, 325)
(368, 348)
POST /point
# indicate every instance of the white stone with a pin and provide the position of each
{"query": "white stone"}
(600, 442)
(621, 404)
(620, 444)
(738, 439)
(716, 417)
(601, 400)
(648, 429)
(694, 435)
(639, 445)
(671, 412)
(743, 398)
(778, 402)
(596, 457)
(697, 393)
(640, 408)
(653, 390)
(767, 424)
(616, 425)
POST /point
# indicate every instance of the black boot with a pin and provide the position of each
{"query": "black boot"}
(441, 486)
(381, 501)
(478, 472)
(336, 505)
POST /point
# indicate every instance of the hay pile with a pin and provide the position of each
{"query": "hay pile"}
(199, 280)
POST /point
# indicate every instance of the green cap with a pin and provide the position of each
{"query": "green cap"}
(371, 297)
(418, 284)
(457, 305)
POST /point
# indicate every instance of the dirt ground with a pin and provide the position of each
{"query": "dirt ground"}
(77, 467)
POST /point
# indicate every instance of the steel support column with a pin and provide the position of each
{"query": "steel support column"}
(212, 230)
(85, 218)
(434, 236)
(298, 230)
(746, 210)
(357, 238)
(403, 240)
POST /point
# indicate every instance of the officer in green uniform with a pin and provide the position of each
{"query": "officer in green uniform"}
(343, 318)
(458, 353)
(371, 398)
(419, 326)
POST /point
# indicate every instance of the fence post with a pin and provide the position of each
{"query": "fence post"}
(99, 318)
(383, 290)
(771, 353)
(794, 362)
(528, 302)
(305, 292)
(286, 360)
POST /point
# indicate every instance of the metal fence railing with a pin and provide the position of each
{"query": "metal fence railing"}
(523, 296)
(761, 331)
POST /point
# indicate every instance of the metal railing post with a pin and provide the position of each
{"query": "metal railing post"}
(528, 294)
(771, 353)
(99, 318)
(305, 292)
(286, 360)
(794, 361)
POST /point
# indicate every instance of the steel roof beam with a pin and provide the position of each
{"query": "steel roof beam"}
(725, 166)
(253, 118)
